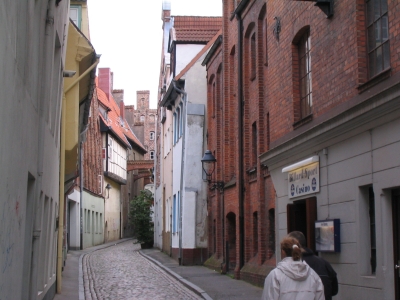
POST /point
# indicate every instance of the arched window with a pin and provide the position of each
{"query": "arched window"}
(302, 80)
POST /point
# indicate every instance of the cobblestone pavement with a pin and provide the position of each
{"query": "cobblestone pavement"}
(120, 272)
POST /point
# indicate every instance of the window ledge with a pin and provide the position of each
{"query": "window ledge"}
(303, 121)
(374, 80)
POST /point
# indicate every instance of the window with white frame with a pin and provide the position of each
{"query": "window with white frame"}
(174, 216)
(75, 15)
(181, 119)
(152, 135)
(151, 154)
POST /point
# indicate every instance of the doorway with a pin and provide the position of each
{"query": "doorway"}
(396, 240)
(301, 216)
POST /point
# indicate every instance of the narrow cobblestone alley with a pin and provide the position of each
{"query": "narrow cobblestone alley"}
(120, 272)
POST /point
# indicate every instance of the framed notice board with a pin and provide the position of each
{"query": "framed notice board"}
(327, 235)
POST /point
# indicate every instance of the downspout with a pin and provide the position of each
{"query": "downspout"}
(240, 141)
(184, 98)
(82, 138)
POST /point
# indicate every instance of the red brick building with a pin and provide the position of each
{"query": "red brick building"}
(241, 216)
(296, 87)
(142, 120)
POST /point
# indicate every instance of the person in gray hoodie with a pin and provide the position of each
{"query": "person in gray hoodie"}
(292, 279)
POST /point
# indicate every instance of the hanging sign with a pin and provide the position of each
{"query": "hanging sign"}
(304, 180)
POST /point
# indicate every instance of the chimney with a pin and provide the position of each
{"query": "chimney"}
(105, 83)
(122, 109)
(118, 95)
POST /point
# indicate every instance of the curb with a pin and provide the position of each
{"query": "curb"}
(99, 247)
(194, 288)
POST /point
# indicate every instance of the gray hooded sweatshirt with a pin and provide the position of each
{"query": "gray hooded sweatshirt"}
(293, 280)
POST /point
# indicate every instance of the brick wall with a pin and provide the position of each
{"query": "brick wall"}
(92, 163)
(269, 103)
(142, 128)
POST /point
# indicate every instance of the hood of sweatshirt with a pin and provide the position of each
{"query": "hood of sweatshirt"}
(296, 270)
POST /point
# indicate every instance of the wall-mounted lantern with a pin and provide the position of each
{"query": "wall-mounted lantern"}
(108, 188)
(208, 163)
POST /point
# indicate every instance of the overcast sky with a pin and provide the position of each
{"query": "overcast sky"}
(128, 35)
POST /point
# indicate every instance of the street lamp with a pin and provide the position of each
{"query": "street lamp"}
(208, 163)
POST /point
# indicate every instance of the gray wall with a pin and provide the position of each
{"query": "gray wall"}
(30, 78)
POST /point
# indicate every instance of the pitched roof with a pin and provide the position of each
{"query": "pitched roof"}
(118, 126)
(196, 29)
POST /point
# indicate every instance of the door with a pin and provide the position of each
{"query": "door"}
(301, 216)
(396, 240)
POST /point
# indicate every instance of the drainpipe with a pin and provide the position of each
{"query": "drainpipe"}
(83, 75)
(82, 140)
(184, 98)
(240, 140)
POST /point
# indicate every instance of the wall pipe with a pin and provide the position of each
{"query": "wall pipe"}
(82, 75)
(240, 141)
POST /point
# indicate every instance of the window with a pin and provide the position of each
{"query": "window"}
(271, 233)
(304, 49)
(254, 143)
(151, 154)
(178, 123)
(75, 15)
(253, 56)
(141, 118)
(372, 232)
(175, 130)
(181, 120)
(100, 184)
(151, 135)
(174, 216)
(378, 36)
(255, 233)
(110, 148)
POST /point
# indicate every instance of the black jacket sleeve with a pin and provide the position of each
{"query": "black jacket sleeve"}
(333, 278)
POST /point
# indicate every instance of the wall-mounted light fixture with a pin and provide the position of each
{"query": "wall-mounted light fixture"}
(208, 163)
(69, 74)
(108, 188)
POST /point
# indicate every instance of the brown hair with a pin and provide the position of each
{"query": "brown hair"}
(291, 247)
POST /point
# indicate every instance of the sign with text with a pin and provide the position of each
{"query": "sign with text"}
(304, 180)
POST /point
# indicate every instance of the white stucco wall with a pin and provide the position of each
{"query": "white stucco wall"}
(185, 53)
(93, 228)
(112, 210)
(73, 220)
